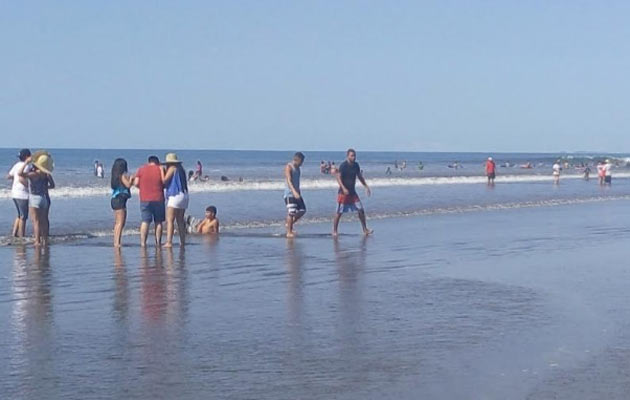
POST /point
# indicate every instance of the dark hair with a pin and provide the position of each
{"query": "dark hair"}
(211, 209)
(299, 155)
(154, 159)
(351, 151)
(182, 176)
(118, 169)
(24, 154)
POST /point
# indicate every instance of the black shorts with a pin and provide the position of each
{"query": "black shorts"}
(119, 203)
(491, 175)
(608, 179)
(294, 205)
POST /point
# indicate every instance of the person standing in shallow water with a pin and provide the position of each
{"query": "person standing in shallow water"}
(149, 180)
(608, 172)
(556, 172)
(38, 169)
(347, 198)
(176, 199)
(121, 183)
(292, 194)
(19, 194)
(491, 168)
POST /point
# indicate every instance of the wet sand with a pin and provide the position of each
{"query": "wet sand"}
(521, 304)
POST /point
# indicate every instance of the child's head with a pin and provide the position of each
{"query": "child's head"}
(211, 212)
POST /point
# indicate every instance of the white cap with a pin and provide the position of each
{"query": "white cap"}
(489, 158)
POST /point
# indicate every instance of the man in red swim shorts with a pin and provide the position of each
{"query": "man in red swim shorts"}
(347, 197)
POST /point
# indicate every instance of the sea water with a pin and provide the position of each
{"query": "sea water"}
(251, 197)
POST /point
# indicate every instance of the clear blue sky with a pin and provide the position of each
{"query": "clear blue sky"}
(321, 75)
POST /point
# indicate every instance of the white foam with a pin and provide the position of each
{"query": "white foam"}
(312, 184)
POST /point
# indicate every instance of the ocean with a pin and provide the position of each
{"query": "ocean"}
(252, 197)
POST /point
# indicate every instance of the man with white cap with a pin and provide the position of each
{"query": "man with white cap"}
(608, 172)
(491, 169)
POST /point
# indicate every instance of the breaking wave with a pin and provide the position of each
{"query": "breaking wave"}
(309, 184)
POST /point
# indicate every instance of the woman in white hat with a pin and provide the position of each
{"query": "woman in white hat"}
(38, 169)
(175, 183)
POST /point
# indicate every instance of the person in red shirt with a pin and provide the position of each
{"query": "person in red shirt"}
(491, 169)
(150, 180)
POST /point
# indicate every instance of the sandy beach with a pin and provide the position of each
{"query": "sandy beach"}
(528, 303)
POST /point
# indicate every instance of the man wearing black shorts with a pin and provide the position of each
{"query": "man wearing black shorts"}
(292, 194)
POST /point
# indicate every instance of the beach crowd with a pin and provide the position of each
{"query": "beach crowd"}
(164, 197)
(163, 192)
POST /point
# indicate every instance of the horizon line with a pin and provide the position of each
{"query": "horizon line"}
(324, 151)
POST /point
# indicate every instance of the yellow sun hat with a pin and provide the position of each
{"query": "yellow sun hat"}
(43, 161)
(171, 158)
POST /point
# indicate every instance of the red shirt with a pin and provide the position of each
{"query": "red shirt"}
(150, 183)
(490, 167)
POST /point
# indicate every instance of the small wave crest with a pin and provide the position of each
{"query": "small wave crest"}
(309, 184)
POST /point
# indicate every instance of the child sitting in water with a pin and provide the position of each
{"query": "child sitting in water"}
(210, 224)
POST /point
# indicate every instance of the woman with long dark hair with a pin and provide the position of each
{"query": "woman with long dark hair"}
(176, 186)
(121, 192)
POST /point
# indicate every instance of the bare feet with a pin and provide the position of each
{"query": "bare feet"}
(367, 232)
(335, 234)
(168, 245)
(290, 235)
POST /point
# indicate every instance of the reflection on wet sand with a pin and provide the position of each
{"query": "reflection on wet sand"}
(350, 263)
(164, 306)
(163, 285)
(31, 319)
(153, 288)
(121, 296)
(295, 297)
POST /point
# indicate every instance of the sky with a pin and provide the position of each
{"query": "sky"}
(316, 75)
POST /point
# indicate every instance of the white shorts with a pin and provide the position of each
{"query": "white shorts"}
(179, 201)
(37, 201)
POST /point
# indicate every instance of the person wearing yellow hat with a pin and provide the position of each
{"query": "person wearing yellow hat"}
(38, 169)
(175, 183)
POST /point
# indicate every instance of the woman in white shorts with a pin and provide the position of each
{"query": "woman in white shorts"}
(175, 182)
(39, 174)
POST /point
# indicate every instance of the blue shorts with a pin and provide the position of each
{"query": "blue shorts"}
(22, 208)
(153, 211)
